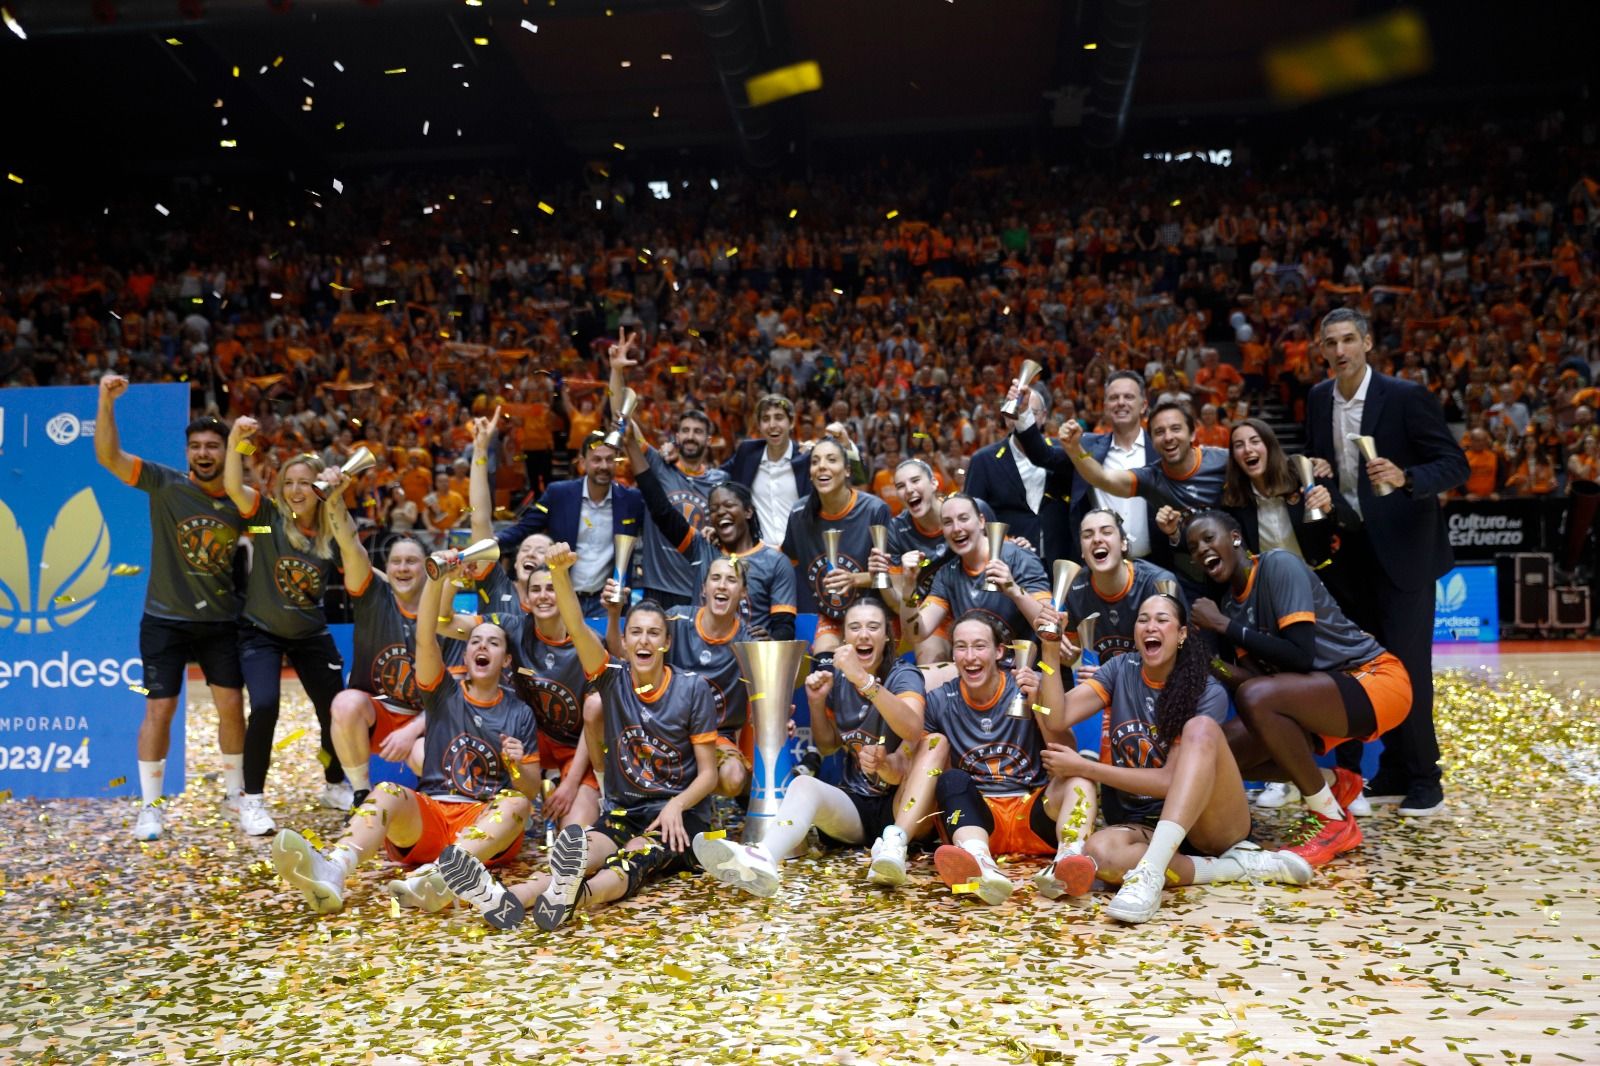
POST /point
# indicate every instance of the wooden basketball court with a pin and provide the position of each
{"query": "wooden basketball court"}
(1472, 936)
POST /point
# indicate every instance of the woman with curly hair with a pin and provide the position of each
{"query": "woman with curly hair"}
(1179, 785)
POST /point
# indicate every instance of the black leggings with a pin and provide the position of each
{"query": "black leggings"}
(961, 804)
(316, 660)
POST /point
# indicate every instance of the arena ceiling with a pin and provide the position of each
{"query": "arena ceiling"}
(120, 84)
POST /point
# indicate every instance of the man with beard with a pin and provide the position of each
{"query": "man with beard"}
(666, 575)
(191, 606)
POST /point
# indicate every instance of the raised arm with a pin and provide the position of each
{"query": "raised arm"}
(1116, 482)
(107, 442)
(559, 558)
(352, 556)
(429, 662)
(243, 496)
(621, 354)
(667, 518)
(480, 494)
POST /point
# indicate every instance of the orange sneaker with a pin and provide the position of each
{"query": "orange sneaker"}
(1346, 788)
(1071, 875)
(1333, 838)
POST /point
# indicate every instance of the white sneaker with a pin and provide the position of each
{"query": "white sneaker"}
(569, 861)
(338, 796)
(150, 822)
(472, 882)
(230, 803)
(1139, 898)
(1360, 807)
(888, 862)
(424, 890)
(254, 818)
(1269, 867)
(1276, 794)
(746, 866)
(303, 867)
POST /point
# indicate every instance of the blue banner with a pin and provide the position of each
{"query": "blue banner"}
(74, 546)
(1466, 604)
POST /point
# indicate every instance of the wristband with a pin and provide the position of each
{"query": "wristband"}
(871, 690)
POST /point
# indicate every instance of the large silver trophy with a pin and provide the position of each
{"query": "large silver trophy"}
(771, 669)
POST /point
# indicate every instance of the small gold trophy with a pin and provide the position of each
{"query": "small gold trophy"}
(1022, 659)
(1308, 481)
(830, 542)
(622, 555)
(484, 551)
(1369, 451)
(1030, 371)
(996, 532)
(880, 542)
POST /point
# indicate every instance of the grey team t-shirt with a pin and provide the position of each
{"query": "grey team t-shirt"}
(284, 594)
(461, 744)
(860, 724)
(650, 736)
(1000, 752)
(664, 568)
(1283, 590)
(193, 538)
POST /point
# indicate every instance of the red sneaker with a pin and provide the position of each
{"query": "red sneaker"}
(956, 866)
(1333, 838)
(1347, 786)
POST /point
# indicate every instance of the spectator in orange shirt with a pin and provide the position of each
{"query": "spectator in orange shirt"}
(415, 479)
(442, 510)
(1211, 381)
(1211, 431)
(1485, 464)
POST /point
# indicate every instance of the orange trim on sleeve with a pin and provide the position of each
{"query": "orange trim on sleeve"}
(937, 601)
(1099, 690)
(1042, 595)
(365, 585)
(138, 468)
(783, 608)
(255, 508)
(704, 738)
(1298, 616)
(916, 698)
(428, 686)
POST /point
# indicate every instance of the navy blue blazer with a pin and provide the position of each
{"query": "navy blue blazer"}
(559, 509)
(745, 464)
(1406, 528)
(992, 476)
(1043, 452)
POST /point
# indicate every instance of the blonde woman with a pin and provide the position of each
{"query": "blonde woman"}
(291, 561)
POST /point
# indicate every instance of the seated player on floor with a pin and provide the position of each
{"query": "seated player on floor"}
(479, 777)
(1322, 678)
(996, 797)
(660, 733)
(870, 705)
(1170, 765)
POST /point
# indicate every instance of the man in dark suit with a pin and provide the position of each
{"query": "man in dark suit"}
(1126, 447)
(775, 469)
(1030, 498)
(1401, 545)
(584, 512)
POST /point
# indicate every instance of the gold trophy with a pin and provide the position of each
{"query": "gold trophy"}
(1087, 655)
(996, 532)
(1369, 451)
(625, 409)
(1030, 371)
(622, 555)
(830, 542)
(1022, 659)
(1308, 481)
(484, 551)
(1066, 572)
(880, 542)
(771, 668)
(360, 462)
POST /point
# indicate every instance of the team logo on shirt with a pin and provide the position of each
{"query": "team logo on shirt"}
(207, 543)
(299, 583)
(471, 766)
(555, 708)
(818, 570)
(1133, 743)
(690, 504)
(648, 763)
(396, 674)
(997, 760)
(1112, 646)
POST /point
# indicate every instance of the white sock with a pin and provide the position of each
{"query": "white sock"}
(151, 774)
(357, 776)
(1324, 804)
(1068, 849)
(232, 773)
(1222, 868)
(345, 857)
(1163, 846)
(894, 833)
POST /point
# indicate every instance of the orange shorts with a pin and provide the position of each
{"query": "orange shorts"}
(442, 824)
(1012, 834)
(744, 750)
(554, 755)
(1388, 687)
(386, 721)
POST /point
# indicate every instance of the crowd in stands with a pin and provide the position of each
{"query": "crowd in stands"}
(899, 300)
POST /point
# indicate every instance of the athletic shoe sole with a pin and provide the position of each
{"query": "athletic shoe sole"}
(719, 857)
(1421, 812)
(958, 866)
(295, 860)
(432, 901)
(1132, 917)
(568, 859)
(886, 871)
(1070, 876)
(462, 872)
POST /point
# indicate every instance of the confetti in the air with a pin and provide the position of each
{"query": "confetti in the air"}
(782, 83)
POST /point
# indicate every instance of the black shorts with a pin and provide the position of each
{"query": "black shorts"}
(876, 814)
(620, 825)
(1357, 706)
(168, 647)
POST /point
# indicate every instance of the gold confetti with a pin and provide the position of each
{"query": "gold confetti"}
(259, 530)
(1047, 668)
(5, 794)
(394, 907)
(244, 447)
(290, 739)
(126, 570)
(64, 599)
(782, 83)
(964, 887)
(141, 690)
(672, 969)
(116, 782)
(717, 834)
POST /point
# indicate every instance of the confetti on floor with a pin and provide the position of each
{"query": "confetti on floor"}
(1472, 936)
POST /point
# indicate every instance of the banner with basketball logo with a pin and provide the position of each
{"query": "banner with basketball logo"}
(74, 551)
